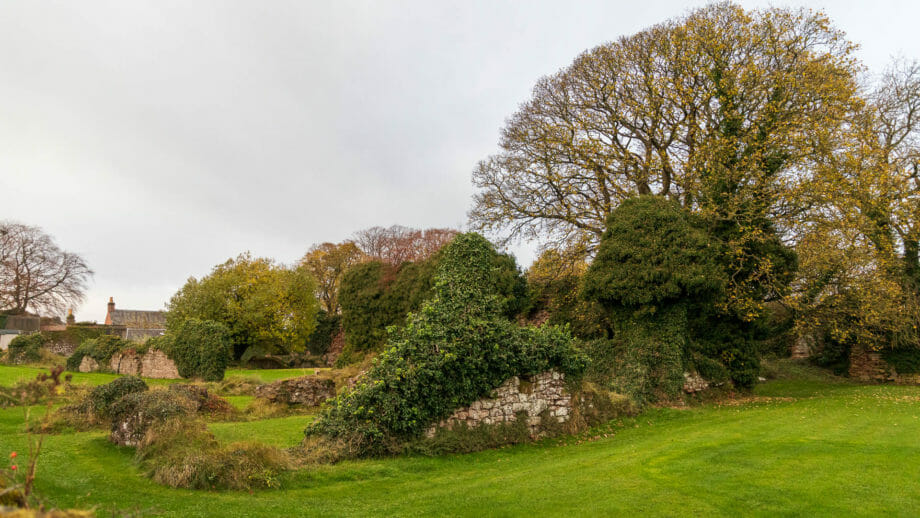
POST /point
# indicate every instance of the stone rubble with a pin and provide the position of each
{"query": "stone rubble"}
(306, 390)
(693, 382)
(536, 397)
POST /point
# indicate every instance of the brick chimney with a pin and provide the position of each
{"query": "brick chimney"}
(111, 312)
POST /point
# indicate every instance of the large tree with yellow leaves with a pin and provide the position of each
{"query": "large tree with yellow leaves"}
(722, 110)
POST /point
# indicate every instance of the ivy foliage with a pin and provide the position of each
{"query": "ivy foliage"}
(103, 398)
(375, 295)
(656, 269)
(904, 361)
(200, 348)
(101, 349)
(457, 348)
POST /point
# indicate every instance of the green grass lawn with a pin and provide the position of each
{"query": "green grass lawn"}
(803, 447)
(268, 375)
(283, 432)
(10, 374)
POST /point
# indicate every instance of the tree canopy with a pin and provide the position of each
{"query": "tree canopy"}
(719, 109)
(264, 305)
(327, 262)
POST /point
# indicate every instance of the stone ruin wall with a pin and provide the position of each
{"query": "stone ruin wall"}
(539, 396)
(870, 366)
(154, 364)
(305, 390)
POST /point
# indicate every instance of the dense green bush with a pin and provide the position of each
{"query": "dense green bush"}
(201, 349)
(101, 349)
(654, 268)
(103, 397)
(327, 326)
(26, 348)
(155, 405)
(375, 295)
(457, 348)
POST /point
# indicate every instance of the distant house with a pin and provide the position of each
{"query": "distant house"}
(138, 324)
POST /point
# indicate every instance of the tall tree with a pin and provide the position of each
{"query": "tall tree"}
(327, 263)
(861, 242)
(721, 110)
(397, 244)
(266, 306)
(36, 275)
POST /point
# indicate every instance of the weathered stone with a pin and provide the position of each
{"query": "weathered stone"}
(88, 365)
(155, 364)
(871, 366)
(126, 362)
(694, 383)
(306, 390)
(542, 392)
(803, 347)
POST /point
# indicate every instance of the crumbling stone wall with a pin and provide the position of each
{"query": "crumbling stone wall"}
(335, 348)
(126, 362)
(694, 383)
(803, 347)
(538, 397)
(868, 365)
(88, 365)
(153, 364)
(306, 390)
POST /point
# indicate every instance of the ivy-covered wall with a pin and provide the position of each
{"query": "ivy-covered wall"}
(66, 342)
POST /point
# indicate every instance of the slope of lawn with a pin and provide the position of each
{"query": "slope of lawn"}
(804, 445)
(11, 374)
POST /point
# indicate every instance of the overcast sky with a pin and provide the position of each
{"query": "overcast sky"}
(160, 138)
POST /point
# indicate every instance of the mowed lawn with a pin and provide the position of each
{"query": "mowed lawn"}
(10, 374)
(798, 448)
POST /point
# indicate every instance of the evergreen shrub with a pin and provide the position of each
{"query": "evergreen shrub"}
(201, 349)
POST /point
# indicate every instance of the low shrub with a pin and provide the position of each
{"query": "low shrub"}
(205, 402)
(201, 349)
(103, 398)
(237, 385)
(26, 348)
(183, 453)
(637, 365)
(135, 413)
(594, 405)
